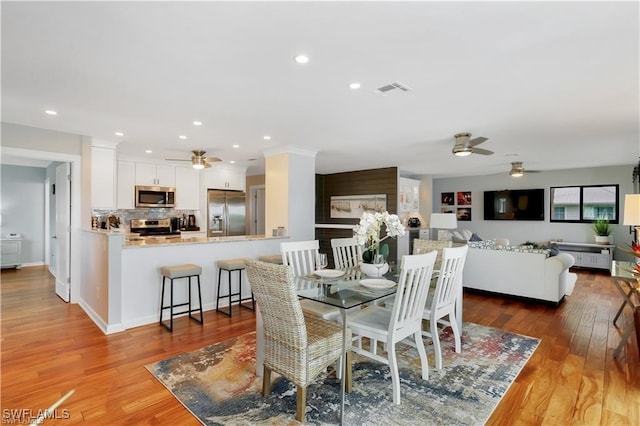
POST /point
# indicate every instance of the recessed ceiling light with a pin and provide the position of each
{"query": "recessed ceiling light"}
(266, 138)
(119, 134)
(148, 151)
(50, 112)
(301, 59)
(236, 146)
(182, 137)
(232, 162)
(197, 123)
(354, 86)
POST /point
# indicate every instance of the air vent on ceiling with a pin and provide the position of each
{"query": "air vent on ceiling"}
(396, 85)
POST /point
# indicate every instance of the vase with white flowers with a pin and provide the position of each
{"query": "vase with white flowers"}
(367, 233)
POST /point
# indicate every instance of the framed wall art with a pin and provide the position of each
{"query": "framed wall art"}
(464, 198)
(446, 199)
(352, 206)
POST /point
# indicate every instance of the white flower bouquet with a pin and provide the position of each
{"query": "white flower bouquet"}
(367, 232)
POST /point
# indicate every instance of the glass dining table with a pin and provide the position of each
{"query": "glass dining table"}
(344, 290)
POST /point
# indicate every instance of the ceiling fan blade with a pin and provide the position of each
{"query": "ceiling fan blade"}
(207, 165)
(477, 141)
(212, 159)
(482, 151)
(176, 159)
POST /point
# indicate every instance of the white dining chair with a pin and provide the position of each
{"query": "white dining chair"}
(301, 257)
(443, 302)
(402, 321)
(347, 253)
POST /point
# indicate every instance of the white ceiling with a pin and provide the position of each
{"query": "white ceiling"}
(551, 84)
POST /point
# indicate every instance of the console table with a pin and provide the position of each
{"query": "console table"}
(589, 255)
(11, 248)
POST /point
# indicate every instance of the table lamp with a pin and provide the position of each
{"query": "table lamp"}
(443, 221)
(632, 213)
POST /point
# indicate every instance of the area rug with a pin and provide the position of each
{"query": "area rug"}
(218, 385)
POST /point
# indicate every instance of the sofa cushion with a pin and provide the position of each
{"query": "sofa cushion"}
(553, 249)
(475, 237)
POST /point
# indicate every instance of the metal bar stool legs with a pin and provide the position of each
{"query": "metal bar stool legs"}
(232, 265)
(176, 272)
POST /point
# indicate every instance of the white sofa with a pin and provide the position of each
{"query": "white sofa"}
(519, 273)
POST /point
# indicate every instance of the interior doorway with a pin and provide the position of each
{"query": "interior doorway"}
(73, 229)
(256, 215)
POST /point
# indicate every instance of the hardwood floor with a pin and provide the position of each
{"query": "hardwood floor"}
(50, 347)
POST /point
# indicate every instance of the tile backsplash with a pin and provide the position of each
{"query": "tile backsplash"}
(153, 213)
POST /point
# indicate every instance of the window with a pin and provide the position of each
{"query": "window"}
(585, 203)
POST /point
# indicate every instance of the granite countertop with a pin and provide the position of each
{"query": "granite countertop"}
(161, 241)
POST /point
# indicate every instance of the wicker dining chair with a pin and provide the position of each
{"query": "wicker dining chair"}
(296, 346)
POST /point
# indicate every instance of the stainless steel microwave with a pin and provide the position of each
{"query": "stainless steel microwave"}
(155, 196)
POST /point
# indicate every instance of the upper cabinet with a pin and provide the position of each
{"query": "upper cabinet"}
(225, 177)
(408, 195)
(187, 184)
(126, 184)
(155, 175)
(103, 177)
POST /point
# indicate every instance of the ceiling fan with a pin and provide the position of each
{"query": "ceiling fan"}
(464, 146)
(517, 170)
(198, 160)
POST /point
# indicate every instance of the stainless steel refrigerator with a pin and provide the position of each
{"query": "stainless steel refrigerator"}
(226, 213)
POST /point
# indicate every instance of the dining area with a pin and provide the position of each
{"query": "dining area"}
(312, 321)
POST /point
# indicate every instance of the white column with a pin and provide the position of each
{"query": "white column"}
(290, 192)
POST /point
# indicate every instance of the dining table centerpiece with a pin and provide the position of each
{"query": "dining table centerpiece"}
(368, 233)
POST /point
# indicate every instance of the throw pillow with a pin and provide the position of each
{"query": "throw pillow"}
(553, 249)
(475, 237)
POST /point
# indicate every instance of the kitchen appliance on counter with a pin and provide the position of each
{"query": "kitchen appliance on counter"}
(155, 196)
(226, 213)
(153, 228)
(182, 223)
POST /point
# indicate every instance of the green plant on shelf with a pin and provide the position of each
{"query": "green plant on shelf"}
(601, 227)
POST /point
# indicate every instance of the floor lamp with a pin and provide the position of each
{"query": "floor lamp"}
(443, 221)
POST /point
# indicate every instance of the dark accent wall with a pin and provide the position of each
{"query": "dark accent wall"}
(362, 182)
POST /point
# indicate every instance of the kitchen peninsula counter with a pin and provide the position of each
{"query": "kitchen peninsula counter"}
(121, 287)
(162, 241)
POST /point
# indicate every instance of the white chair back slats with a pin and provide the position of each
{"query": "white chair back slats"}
(300, 256)
(347, 253)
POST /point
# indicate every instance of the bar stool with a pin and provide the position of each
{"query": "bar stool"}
(173, 273)
(272, 258)
(231, 265)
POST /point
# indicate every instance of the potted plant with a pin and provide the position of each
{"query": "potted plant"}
(602, 230)
(367, 233)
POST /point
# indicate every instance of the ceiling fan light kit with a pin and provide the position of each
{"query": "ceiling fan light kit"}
(516, 169)
(198, 160)
(464, 146)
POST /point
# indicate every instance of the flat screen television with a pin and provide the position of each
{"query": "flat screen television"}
(514, 204)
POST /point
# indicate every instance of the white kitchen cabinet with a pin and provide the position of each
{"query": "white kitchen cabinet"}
(408, 195)
(126, 185)
(187, 184)
(10, 249)
(589, 255)
(103, 177)
(224, 177)
(155, 175)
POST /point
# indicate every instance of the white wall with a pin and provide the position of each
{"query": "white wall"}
(520, 231)
(23, 209)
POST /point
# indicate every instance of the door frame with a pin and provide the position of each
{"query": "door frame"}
(252, 207)
(75, 254)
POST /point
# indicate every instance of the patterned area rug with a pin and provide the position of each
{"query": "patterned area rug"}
(218, 384)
